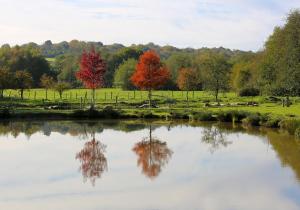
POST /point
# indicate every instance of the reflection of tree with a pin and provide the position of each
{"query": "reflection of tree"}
(215, 138)
(93, 161)
(152, 154)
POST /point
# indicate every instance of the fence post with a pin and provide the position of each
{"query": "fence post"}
(116, 101)
(111, 94)
(34, 95)
(134, 94)
(80, 102)
(104, 96)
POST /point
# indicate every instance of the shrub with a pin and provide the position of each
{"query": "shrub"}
(232, 116)
(204, 116)
(290, 125)
(249, 92)
(297, 133)
(252, 119)
(270, 121)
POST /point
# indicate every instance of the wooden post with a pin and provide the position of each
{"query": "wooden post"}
(128, 95)
(116, 101)
(111, 94)
(105, 96)
(134, 94)
(76, 96)
(80, 102)
(34, 95)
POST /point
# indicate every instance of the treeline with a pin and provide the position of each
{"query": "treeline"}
(275, 70)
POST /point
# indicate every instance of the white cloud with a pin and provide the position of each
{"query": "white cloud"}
(238, 24)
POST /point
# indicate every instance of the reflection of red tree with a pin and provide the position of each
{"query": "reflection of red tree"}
(153, 155)
(93, 161)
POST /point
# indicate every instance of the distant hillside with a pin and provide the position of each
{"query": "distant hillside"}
(52, 50)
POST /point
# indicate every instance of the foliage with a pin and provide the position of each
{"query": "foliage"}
(249, 92)
(60, 87)
(187, 79)
(23, 81)
(124, 73)
(6, 80)
(24, 58)
(150, 73)
(280, 67)
(215, 73)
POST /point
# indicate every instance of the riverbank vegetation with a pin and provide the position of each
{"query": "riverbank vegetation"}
(255, 88)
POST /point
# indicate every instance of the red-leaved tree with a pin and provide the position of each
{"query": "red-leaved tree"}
(150, 73)
(91, 73)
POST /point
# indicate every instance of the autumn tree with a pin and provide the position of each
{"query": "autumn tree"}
(23, 81)
(150, 73)
(152, 154)
(47, 82)
(60, 87)
(6, 80)
(92, 70)
(188, 80)
(93, 160)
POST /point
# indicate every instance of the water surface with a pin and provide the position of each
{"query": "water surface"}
(141, 165)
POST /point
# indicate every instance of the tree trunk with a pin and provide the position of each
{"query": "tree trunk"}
(60, 95)
(217, 93)
(93, 99)
(150, 98)
(288, 101)
(22, 91)
(187, 98)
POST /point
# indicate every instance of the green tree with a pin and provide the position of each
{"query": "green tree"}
(60, 87)
(6, 80)
(281, 66)
(47, 82)
(176, 62)
(215, 73)
(124, 73)
(23, 81)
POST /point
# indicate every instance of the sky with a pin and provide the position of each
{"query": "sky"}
(234, 24)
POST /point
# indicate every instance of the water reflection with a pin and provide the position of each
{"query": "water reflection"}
(153, 155)
(215, 137)
(93, 160)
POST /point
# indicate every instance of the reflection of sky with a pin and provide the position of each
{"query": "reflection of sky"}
(42, 173)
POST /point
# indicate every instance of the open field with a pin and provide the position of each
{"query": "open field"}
(165, 100)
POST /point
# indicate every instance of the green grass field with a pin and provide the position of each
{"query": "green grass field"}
(164, 99)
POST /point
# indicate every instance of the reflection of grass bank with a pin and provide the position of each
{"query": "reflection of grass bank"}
(248, 118)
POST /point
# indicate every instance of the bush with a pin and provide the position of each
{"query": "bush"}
(249, 92)
(204, 116)
(252, 120)
(270, 121)
(232, 116)
(297, 133)
(5, 113)
(291, 125)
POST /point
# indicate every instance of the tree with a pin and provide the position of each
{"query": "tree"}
(93, 160)
(281, 67)
(47, 82)
(215, 73)
(150, 73)
(187, 80)
(23, 81)
(91, 73)
(124, 73)
(152, 154)
(176, 62)
(6, 80)
(60, 87)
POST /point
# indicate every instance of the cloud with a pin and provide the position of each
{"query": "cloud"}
(236, 24)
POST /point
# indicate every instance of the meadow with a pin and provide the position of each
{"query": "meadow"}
(165, 100)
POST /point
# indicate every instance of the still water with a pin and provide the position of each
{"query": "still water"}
(87, 165)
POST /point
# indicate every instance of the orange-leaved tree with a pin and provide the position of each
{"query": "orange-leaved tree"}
(92, 69)
(150, 73)
(188, 80)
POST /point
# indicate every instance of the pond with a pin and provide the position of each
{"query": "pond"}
(156, 165)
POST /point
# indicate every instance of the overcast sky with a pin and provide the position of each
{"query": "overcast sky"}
(235, 24)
